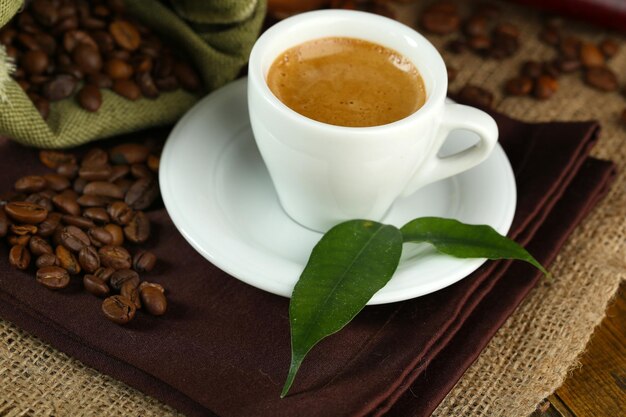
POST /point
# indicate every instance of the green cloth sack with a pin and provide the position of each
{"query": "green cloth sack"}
(216, 36)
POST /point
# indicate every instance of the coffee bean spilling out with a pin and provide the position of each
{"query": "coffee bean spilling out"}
(76, 47)
(72, 224)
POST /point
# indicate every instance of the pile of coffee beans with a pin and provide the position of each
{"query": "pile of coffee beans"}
(73, 223)
(478, 33)
(540, 79)
(63, 47)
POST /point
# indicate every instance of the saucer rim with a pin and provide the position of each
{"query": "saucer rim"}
(232, 265)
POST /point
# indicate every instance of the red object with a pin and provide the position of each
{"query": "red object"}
(604, 13)
(223, 348)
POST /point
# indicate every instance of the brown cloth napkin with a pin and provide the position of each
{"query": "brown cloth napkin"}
(223, 346)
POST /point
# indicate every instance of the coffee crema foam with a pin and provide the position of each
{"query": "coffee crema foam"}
(347, 82)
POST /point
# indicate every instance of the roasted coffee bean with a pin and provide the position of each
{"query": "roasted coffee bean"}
(103, 189)
(506, 30)
(129, 290)
(141, 171)
(609, 48)
(30, 184)
(19, 257)
(78, 221)
(104, 40)
(4, 222)
(95, 172)
(23, 229)
(519, 86)
(186, 76)
(570, 47)
(104, 273)
(116, 233)
(87, 58)
(479, 42)
(93, 201)
(28, 41)
(73, 238)
(47, 259)
(120, 212)
(69, 23)
(129, 153)
(53, 277)
(67, 260)
(90, 98)
(122, 276)
(440, 20)
(79, 184)
(68, 170)
(97, 214)
(49, 225)
(115, 257)
(95, 285)
(591, 56)
(138, 230)
(88, 259)
(153, 160)
(45, 12)
(25, 212)
(95, 157)
(57, 182)
(152, 284)
(66, 204)
(118, 309)
(142, 63)
(147, 85)
(118, 172)
(545, 87)
(142, 193)
(153, 300)
(53, 159)
(18, 240)
(476, 96)
(60, 87)
(144, 261)
(601, 78)
(125, 34)
(92, 23)
(118, 69)
(34, 62)
(40, 200)
(100, 237)
(127, 89)
(476, 25)
(39, 246)
(74, 38)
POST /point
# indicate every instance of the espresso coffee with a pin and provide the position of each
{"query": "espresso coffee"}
(347, 82)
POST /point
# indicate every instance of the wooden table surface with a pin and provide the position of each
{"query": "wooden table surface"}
(598, 387)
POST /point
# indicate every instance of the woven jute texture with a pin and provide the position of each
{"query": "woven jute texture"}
(217, 41)
(526, 360)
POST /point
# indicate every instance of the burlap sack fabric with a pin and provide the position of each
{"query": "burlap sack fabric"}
(526, 360)
(215, 37)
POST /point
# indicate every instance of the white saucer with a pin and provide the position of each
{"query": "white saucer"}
(218, 193)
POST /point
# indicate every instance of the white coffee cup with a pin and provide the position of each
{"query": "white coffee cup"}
(325, 174)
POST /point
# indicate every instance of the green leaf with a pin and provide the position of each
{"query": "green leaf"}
(351, 262)
(465, 240)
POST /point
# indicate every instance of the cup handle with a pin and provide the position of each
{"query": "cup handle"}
(456, 116)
